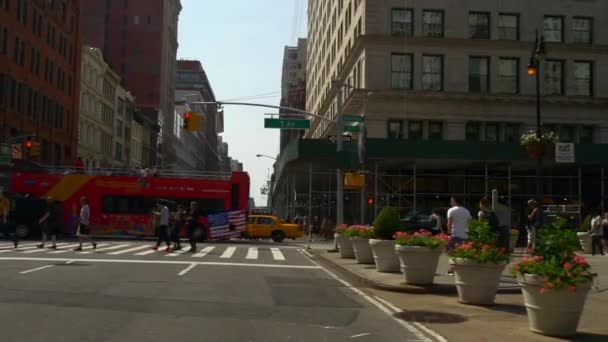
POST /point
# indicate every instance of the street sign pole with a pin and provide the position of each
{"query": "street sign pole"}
(339, 147)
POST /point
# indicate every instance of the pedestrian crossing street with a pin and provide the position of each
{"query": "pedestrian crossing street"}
(223, 252)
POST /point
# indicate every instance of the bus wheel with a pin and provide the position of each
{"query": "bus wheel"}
(22, 231)
(278, 236)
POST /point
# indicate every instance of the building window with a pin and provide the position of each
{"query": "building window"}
(508, 26)
(432, 73)
(554, 80)
(401, 71)
(3, 40)
(492, 132)
(508, 76)
(583, 78)
(586, 135)
(149, 20)
(432, 23)
(554, 29)
(435, 130)
(395, 129)
(512, 133)
(403, 21)
(473, 131)
(414, 130)
(479, 80)
(566, 134)
(136, 20)
(582, 30)
(479, 25)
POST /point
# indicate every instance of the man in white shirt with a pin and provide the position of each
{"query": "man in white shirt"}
(162, 212)
(597, 233)
(458, 219)
(83, 228)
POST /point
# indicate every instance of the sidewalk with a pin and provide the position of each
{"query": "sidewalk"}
(438, 308)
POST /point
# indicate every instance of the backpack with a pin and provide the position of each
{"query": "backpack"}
(492, 220)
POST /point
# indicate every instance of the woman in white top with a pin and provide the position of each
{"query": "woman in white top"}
(83, 228)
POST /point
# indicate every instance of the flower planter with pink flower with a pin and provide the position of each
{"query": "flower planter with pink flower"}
(555, 282)
(478, 265)
(386, 225)
(345, 246)
(419, 255)
(359, 237)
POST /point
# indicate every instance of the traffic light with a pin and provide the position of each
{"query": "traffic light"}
(370, 200)
(28, 144)
(193, 121)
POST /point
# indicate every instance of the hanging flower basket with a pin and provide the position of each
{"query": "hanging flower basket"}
(538, 148)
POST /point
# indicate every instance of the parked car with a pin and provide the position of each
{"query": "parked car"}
(414, 221)
(267, 226)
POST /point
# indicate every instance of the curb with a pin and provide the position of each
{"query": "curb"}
(441, 289)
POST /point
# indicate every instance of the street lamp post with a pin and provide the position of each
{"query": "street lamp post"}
(265, 156)
(538, 54)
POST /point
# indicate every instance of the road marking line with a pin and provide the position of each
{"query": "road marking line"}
(69, 262)
(276, 254)
(411, 328)
(19, 249)
(431, 332)
(36, 269)
(360, 335)
(44, 249)
(64, 249)
(128, 250)
(186, 270)
(228, 253)
(307, 253)
(111, 248)
(180, 252)
(150, 251)
(203, 252)
(252, 253)
(11, 246)
(162, 262)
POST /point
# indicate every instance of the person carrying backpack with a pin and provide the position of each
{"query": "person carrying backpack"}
(486, 213)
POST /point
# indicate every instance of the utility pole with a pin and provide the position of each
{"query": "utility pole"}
(339, 148)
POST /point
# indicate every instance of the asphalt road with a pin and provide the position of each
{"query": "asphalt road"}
(243, 292)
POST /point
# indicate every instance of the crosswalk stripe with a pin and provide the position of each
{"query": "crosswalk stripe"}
(176, 253)
(39, 250)
(20, 249)
(11, 245)
(276, 254)
(252, 253)
(150, 251)
(203, 252)
(88, 249)
(111, 248)
(65, 249)
(128, 250)
(228, 253)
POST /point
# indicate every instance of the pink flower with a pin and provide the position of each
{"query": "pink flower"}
(558, 280)
(543, 290)
(538, 258)
(580, 260)
(567, 266)
(572, 288)
(549, 285)
(486, 248)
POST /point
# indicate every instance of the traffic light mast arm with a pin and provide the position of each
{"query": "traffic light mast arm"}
(220, 103)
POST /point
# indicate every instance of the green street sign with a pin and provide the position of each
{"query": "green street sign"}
(352, 128)
(352, 118)
(287, 123)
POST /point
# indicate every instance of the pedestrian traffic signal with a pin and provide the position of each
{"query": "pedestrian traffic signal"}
(193, 121)
(370, 200)
(28, 144)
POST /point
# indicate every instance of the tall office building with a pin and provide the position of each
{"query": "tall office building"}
(139, 40)
(293, 86)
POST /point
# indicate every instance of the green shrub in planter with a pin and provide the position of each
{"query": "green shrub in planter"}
(386, 223)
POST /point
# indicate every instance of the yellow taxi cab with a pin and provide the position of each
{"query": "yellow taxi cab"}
(268, 226)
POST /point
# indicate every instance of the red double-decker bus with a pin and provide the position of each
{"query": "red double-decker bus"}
(121, 201)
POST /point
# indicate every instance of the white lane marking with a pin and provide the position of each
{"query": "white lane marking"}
(150, 251)
(180, 252)
(64, 249)
(36, 269)
(44, 249)
(11, 247)
(276, 254)
(163, 262)
(228, 253)
(69, 262)
(252, 253)
(430, 332)
(186, 270)
(111, 248)
(128, 250)
(419, 334)
(19, 249)
(360, 335)
(203, 252)
(88, 248)
(307, 253)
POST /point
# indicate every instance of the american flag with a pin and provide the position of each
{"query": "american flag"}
(220, 224)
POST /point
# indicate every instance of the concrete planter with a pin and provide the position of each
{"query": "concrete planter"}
(555, 312)
(345, 246)
(585, 239)
(476, 283)
(363, 252)
(384, 255)
(418, 264)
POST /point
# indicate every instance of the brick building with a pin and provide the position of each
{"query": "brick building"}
(139, 40)
(39, 73)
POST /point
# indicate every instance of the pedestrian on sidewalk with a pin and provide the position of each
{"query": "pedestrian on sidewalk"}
(193, 226)
(487, 213)
(458, 219)
(605, 226)
(162, 212)
(597, 233)
(179, 219)
(48, 223)
(84, 231)
(435, 218)
(533, 224)
(5, 224)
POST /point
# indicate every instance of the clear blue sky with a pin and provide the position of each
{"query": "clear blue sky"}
(240, 44)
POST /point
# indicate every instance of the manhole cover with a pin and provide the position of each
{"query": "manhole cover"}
(430, 317)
